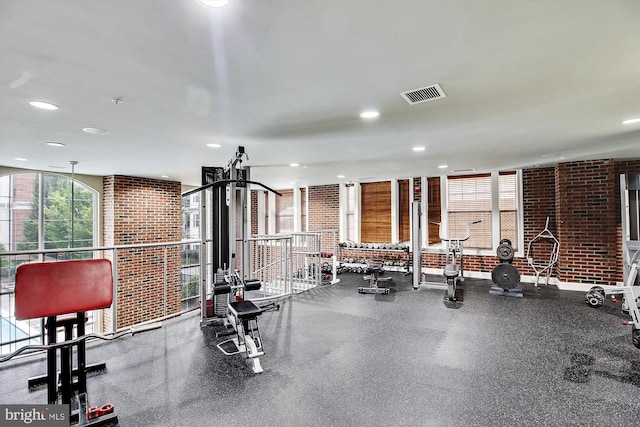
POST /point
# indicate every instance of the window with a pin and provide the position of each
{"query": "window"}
(284, 212)
(404, 211)
(434, 210)
(303, 209)
(279, 214)
(375, 212)
(46, 211)
(492, 199)
(509, 207)
(350, 212)
(469, 200)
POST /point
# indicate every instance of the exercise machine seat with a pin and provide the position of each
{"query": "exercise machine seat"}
(245, 309)
(451, 271)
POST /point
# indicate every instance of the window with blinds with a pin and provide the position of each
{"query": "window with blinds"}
(434, 210)
(284, 212)
(507, 190)
(404, 211)
(375, 212)
(303, 209)
(469, 199)
(351, 212)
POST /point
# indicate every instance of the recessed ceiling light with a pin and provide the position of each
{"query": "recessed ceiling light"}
(443, 166)
(95, 131)
(340, 176)
(164, 176)
(20, 159)
(43, 105)
(57, 167)
(214, 145)
(629, 121)
(369, 114)
(295, 165)
(420, 148)
(55, 144)
(214, 3)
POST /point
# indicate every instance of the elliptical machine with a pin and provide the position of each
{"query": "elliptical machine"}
(453, 271)
(454, 261)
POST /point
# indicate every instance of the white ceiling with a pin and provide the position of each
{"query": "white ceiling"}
(527, 83)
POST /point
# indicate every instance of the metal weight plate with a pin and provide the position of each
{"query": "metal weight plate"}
(505, 276)
(635, 336)
(505, 252)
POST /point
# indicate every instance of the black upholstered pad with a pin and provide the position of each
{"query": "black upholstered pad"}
(245, 309)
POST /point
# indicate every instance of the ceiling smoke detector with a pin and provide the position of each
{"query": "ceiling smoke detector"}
(423, 94)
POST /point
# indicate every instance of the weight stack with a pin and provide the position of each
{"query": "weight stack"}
(220, 301)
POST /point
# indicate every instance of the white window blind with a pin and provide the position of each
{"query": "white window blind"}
(351, 210)
(507, 184)
(469, 199)
(284, 212)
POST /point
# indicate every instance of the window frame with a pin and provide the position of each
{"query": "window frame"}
(40, 177)
(495, 215)
(267, 215)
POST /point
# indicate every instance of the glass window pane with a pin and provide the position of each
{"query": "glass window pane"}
(351, 209)
(508, 207)
(284, 212)
(469, 200)
(68, 221)
(24, 211)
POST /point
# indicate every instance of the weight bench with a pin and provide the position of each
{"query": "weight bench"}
(62, 292)
(373, 270)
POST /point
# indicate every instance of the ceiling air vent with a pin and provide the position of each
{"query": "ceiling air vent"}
(424, 94)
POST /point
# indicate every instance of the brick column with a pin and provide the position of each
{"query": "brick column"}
(586, 197)
(324, 207)
(138, 211)
(539, 202)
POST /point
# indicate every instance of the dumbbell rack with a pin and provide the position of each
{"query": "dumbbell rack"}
(372, 247)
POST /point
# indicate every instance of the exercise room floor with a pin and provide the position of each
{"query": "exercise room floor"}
(335, 357)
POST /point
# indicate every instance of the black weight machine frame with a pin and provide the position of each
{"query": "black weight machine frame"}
(219, 253)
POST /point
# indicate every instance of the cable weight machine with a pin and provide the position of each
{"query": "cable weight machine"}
(223, 278)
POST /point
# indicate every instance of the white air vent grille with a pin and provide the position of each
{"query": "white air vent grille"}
(424, 94)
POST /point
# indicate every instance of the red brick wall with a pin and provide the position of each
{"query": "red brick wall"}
(538, 203)
(254, 213)
(138, 211)
(324, 207)
(324, 211)
(586, 198)
(581, 199)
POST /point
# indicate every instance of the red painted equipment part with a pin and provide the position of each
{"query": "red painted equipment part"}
(52, 288)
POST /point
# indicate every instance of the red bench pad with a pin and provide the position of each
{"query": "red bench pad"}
(51, 288)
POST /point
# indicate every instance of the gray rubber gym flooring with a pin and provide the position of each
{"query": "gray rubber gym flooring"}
(335, 357)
